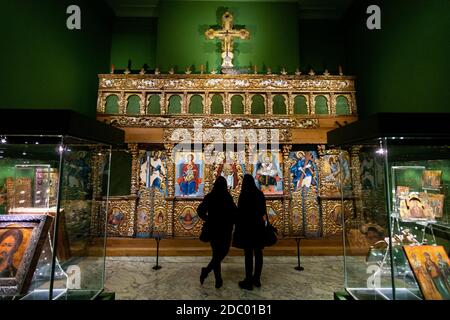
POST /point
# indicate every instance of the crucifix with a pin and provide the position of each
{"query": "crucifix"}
(226, 35)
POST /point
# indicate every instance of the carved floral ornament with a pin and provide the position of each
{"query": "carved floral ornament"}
(189, 122)
(224, 82)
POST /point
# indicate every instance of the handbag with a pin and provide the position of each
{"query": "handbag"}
(270, 233)
(205, 235)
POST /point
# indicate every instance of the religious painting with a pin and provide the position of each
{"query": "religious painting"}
(77, 216)
(401, 193)
(431, 268)
(21, 241)
(120, 217)
(268, 173)
(431, 179)
(296, 216)
(436, 203)
(77, 173)
(144, 169)
(188, 217)
(367, 171)
(115, 217)
(336, 172)
(304, 173)
(415, 207)
(189, 174)
(158, 172)
(158, 221)
(227, 166)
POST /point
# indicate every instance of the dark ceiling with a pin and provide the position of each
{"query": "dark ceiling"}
(308, 9)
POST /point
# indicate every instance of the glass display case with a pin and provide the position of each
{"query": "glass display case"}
(396, 243)
(54, 184)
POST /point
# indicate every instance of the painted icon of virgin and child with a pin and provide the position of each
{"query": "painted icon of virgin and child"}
(189, 177)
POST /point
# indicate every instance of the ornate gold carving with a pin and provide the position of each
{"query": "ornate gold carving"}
(332, 215)
(243, 82)
(275, 211)
(213, 122)
(226, 135)
(143, 212)
(296, 216)
(135, 168)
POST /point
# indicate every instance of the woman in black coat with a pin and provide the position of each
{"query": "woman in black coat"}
(219, 210)
(249, 231)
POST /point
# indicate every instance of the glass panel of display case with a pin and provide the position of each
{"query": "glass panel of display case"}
(396, 244)
(403, 194)
(66, 179)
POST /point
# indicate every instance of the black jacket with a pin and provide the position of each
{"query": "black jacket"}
(220, 212)
(249, 230)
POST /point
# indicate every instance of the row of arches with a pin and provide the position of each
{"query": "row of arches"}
(257, 104)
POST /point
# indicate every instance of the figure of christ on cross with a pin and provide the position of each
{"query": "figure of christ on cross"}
(226, 35)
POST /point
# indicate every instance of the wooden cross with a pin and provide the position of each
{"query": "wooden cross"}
(226, 35)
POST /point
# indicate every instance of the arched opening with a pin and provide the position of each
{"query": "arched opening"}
(237, 104)
(300, 106)
(112, 104)
(342, 106)
(196, 104)
(154, 106)
(258, 104)
(174, 104)
(321, 105)
(279, 105)
(133, 104)
(217, 104)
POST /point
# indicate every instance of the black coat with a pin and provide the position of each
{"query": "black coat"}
(249, 230)
(220, 212)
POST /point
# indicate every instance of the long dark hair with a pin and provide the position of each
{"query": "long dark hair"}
(249, 189)
(220, 186)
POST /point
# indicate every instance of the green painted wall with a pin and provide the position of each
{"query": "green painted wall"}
(134, 40)
(273, 35)
(45, 65)
(322, 45)
(403, 67)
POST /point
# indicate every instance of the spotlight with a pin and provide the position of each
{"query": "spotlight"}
(3, 140)
(380, 151)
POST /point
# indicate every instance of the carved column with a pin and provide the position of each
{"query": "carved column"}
(162, 103)
(311, 108)
(122, 103)
(142, 104)
(227, 103)
(97, 214)
(133, 147)
(332, 105)
(290, 103)
(100, 103)
(170, 188)
(185, 103)
(286, 189)
(269, 104)
(247, 103)
(208, 103)
(353, 109)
